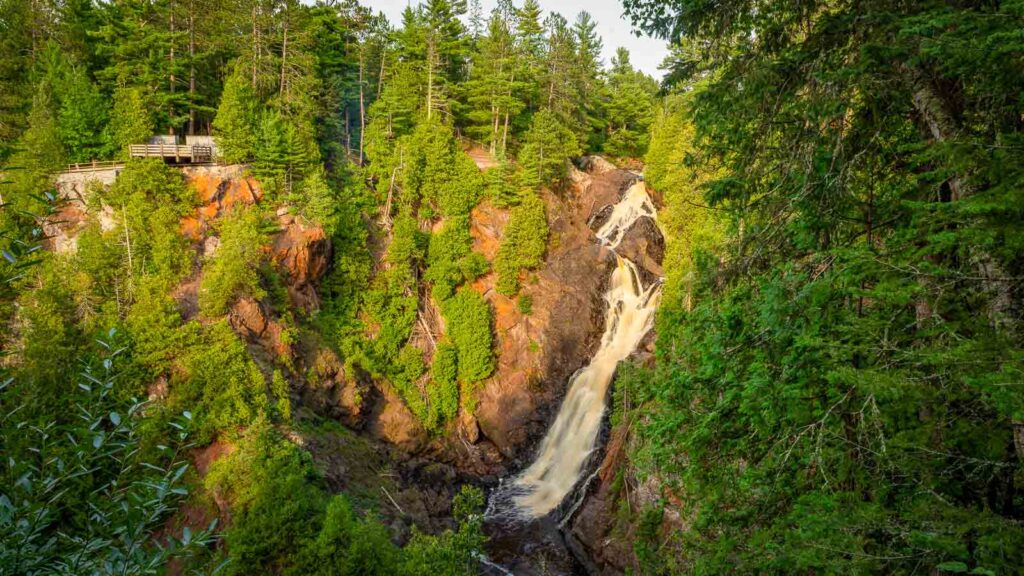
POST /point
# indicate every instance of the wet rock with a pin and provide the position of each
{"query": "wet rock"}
(537, 353)
(644, 245)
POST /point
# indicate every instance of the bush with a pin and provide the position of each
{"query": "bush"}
(525, 304)
(468, 319)
(233, 270)
(523, 245)
(445, 255)
(220, 383)
(444, 387)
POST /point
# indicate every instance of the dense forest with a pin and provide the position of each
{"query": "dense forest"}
(837, 364)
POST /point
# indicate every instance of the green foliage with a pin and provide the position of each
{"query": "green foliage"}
(547, 147)
(443, 392)
(130, 122)
(525, 304)
(448, 258)
(630, 108)
(286, 522)
(147, 199)
(219, 382)
(235, 126)
(830, 393)
(468, 321)
(523, 243)
(83, 117)
(232, 271)
(284, 151)
(80, 494)
(451, 553)
(154, 325)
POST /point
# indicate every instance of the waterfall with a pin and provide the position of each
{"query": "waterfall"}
(564, 450)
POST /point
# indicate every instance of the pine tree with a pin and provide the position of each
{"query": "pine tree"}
(587, 82)
(235, 125)
(630, 108)
(547, 147)
(130, 121)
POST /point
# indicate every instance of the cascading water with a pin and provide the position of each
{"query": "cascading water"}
(564, 450)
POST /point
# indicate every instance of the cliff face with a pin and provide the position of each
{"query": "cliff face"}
(536, 352)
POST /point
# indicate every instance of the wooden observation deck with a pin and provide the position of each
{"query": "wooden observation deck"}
(195, 150)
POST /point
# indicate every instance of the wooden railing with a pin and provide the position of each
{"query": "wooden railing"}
(94, 165)
(159, 150)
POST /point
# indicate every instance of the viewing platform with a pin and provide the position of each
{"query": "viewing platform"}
(194, 150)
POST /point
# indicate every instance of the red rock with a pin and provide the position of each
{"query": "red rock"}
(302, 254)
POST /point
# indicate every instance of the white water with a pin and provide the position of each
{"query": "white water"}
(635, 204)
(570, 440)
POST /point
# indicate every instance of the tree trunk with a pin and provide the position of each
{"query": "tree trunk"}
(191, 68)
(255, 46)
(942, 124)
(170, 105)
(284, 62)
(362, 105)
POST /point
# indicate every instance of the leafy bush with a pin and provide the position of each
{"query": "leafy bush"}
(83, 496)
(220, 383)
(233, 270)
(523, 244)
(468, 320)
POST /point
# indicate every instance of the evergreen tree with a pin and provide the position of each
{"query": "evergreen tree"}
(547, 147)
(630, 108)
(235, 125)
(130, 121)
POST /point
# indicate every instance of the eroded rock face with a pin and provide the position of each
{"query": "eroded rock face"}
(303, 254)
(251, 320)
(538, 352)
(393, 422)
(218, 189)
(644, 245)
(74, 189)
(332, 392)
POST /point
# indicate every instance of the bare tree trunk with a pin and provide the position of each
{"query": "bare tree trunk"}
(284, 62)
(170, 105)
(191, 68)
(504, 135)
(362, 105)
(430, 79)
(255, 45)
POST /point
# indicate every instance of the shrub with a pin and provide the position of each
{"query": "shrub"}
(444, 387)
(232, 271)
(468, 319)
(523, 245)
(220, 383)
(525, 304)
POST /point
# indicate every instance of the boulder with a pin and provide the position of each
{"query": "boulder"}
(644, 245)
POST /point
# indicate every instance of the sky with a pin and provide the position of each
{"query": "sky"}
(645, 53)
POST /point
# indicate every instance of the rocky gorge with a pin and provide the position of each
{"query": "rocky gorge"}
(537, 353)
